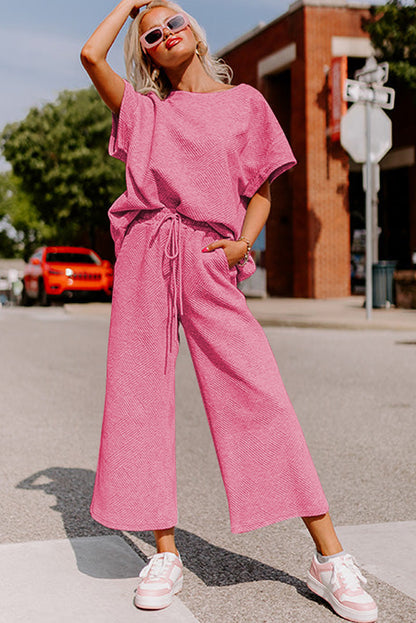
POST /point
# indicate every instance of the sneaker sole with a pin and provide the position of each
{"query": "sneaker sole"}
(369, 616)
(150, 602)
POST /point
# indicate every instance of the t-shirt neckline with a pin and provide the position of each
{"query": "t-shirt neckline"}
(206, 92)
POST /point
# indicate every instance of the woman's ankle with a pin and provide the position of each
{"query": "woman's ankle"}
(172, 550)
(165, 541)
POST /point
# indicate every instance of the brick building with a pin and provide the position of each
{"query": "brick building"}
(317, 205)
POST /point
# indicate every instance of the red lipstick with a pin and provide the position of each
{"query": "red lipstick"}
(171, 42)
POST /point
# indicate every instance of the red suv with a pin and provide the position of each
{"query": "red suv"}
(56, 272)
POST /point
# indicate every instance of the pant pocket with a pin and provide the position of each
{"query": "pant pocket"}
(224, 260)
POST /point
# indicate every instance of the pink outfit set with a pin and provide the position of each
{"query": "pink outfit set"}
(193, 162)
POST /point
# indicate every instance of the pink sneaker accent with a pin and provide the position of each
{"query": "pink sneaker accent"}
(338, 581)
(159, 581)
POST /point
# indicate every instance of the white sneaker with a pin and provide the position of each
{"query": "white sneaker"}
(338, 581)
(159, 581)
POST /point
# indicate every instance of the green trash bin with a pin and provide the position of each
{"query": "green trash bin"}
(383, 290)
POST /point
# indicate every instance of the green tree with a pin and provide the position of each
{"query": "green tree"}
(7, 244)
(19, 217)
(59, 154)
(392, 29)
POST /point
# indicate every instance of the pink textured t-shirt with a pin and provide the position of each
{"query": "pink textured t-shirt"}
(203, 154)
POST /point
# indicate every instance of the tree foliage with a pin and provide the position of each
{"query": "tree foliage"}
(392, 29)
(59, 155)
(22, 226)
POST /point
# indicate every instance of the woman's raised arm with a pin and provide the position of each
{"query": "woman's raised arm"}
(108, 83)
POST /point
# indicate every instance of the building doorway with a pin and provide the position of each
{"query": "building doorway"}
(394, 217)
(279, 229)
(393, 221)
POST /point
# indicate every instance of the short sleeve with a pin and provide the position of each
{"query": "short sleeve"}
(123, 123)
(268, 153)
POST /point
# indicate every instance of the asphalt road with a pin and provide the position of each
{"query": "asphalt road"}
(354, 393)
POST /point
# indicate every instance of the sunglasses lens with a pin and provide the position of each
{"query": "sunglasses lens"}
(176, 23)
(154, 36)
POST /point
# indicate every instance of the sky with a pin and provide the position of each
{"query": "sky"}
(40, 43)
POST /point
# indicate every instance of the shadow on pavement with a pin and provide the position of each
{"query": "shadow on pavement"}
(72, 489)
(215, 566)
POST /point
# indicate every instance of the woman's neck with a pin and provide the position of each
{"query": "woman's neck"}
(192, 78)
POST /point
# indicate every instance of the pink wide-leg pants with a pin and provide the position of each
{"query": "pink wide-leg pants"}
(162, 278)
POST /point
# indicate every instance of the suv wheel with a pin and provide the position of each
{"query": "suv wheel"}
(26, 301)
(44, 299)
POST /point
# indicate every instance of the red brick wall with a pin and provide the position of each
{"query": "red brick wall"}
(327, 165)
(319, 183)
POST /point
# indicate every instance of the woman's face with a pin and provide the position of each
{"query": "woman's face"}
(174, 47)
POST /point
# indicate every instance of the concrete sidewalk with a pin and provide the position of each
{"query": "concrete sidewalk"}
(340, 313)
(92, 579)
(80, 580)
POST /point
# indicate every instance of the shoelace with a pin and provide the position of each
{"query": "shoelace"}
(346, 567)
(157, 566)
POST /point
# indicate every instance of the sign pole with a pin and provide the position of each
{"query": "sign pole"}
(366, 134)
(368, 216)
(376, 188)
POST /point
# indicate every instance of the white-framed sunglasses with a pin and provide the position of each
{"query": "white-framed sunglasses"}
(154, 36)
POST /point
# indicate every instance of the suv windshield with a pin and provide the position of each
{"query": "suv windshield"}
(73, 258)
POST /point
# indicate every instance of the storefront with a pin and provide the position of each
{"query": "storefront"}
(318, 206)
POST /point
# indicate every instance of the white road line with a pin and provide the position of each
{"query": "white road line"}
(85, 580)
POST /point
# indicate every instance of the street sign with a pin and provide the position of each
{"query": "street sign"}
(353, 133)
(356, 91)
(366, 135)
(373, 72)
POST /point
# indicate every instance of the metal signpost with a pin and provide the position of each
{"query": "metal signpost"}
(366, 134)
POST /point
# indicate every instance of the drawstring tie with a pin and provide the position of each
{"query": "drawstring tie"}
(171, 251)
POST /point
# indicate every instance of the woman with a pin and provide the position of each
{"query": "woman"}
(200, 155)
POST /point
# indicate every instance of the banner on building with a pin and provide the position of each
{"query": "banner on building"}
(338, 107)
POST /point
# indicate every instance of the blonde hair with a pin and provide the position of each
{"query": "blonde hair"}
(139, 67)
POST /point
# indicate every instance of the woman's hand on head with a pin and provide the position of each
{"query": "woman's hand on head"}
(234, 250)
(137, 6)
